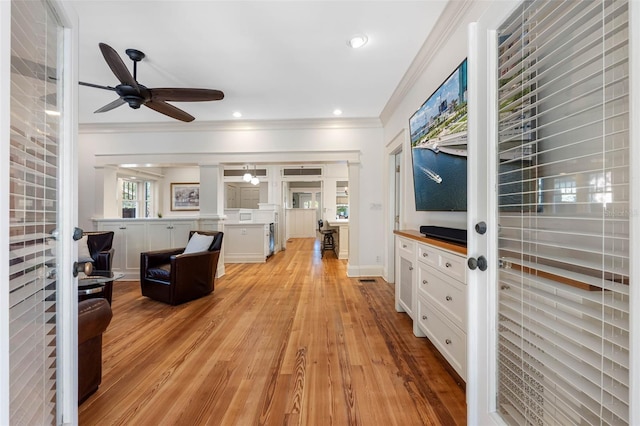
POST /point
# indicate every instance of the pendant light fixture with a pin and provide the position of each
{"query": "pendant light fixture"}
(254, 179)
(251, 178)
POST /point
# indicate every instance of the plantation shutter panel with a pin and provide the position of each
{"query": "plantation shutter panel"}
(563, 311)
(33, 195)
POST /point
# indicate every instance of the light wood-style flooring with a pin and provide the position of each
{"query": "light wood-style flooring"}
(293, 341)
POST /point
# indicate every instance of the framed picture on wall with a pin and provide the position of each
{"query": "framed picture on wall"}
(185, 196)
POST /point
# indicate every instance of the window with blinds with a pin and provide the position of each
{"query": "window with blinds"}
(563, 147)
(33, 171)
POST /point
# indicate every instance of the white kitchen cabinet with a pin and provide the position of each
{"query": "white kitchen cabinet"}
(405, 275)
(167, 234)
(341, 237)
(247, 242)
(129, 240)
(134, 236)
(437, 301)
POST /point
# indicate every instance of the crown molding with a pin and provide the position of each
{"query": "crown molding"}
(448, 22)
(208, 159)
(231, 125)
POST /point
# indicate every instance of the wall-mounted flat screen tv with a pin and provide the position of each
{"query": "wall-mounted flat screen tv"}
(439, 146)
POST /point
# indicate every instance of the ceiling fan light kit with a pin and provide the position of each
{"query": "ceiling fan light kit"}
(136, 95)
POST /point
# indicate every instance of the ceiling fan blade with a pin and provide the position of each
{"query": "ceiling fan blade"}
(117, 66)
(111, 105)
(97, 86)
(185, 95)
(170, 110)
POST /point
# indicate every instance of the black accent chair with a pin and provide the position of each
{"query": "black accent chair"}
(100, 248)
(172, 277)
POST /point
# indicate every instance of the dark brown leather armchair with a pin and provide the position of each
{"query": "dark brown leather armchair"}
(101, 251)
(172, 277)
(94, 315)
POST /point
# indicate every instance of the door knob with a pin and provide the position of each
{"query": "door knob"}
(481, 227)
(77, 233)
(86, 267)
(479, 263)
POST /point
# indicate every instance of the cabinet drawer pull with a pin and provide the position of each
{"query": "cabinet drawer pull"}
(404, 246)
(425, 254)
(448, 265)
(505, 287)
(425, 282)
(448, 341)
(449, 298)
(424, 317)
(122, 227)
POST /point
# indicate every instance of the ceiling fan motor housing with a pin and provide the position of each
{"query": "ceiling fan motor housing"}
(131, 95)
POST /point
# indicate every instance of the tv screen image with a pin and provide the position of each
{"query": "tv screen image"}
(438, 131)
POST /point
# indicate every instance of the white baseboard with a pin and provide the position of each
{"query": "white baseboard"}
(365, 271)
(244, 258)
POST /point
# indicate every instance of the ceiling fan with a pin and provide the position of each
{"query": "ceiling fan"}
(135, 94)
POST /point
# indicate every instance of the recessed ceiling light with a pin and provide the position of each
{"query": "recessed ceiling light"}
(337, 112)
(358, 41)
(237, 114)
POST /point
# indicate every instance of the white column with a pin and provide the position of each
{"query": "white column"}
(329, 198)
(275, 185)
(106, 192)
(212, 204)
(211, 191)
(354, 219)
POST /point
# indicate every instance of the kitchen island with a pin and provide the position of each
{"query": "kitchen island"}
(341, 227)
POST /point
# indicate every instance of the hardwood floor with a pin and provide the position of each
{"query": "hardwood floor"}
(291, 341)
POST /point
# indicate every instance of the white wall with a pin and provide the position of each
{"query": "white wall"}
(176, 175)
(443, 51)
(356, 141)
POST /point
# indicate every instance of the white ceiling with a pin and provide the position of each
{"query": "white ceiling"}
(274, 60)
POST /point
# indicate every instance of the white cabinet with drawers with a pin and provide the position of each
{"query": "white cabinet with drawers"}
(438, 293)
(405, 259)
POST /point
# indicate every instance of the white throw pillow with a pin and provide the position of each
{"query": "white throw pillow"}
(198, 243)
(83, 250)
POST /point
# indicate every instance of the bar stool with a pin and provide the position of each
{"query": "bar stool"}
(327, 242)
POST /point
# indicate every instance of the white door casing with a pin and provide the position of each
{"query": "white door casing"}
(53, 264)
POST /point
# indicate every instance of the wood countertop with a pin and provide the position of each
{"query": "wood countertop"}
(417, 236)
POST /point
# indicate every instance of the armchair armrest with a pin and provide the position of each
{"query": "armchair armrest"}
(152, 259)
(191, 261)
(94, 315)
